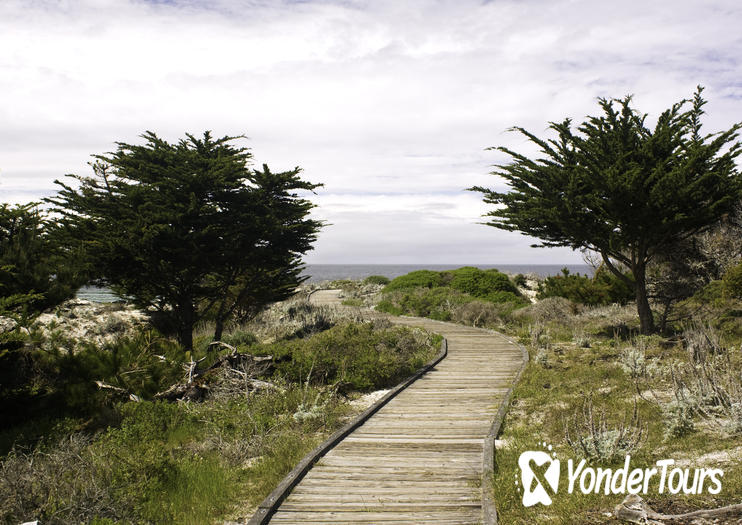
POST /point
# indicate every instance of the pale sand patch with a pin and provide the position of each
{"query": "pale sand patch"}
(365, 401)
(712, 458)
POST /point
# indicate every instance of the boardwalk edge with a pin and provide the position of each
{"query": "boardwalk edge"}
(489, 509)
(271, 503)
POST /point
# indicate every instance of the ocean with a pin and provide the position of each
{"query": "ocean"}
(330, 272)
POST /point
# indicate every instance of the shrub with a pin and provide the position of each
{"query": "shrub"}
(478, 313)
(709, 382)
(549, 309)
(435, 303)
(603, 288)
(376, 279)
(594, 440)
(678, 416)
(732, 282)
(491, 285)
(416, 279)
(361, 356)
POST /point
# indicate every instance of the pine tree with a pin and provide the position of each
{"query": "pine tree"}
(189, 231)
(619, 188)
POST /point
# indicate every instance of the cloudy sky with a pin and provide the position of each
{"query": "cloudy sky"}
(390, 104)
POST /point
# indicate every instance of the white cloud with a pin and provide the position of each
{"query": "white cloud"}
(394, 99)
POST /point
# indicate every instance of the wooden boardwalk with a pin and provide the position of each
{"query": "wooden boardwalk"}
(420, 458)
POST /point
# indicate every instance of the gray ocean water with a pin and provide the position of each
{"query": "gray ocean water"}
(331, 272)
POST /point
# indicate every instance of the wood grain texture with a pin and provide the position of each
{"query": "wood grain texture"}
(419, 459)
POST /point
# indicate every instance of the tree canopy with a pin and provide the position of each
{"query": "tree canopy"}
(36, 271)
(619, 188)
(189, 230)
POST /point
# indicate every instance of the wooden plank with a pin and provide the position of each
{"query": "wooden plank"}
(419, 459)
(452, 516)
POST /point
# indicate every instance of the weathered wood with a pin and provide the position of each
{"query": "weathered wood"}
(420, 458)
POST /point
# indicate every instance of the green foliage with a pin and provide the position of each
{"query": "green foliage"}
(360, 356)
(376, 279)
(416, 279)
(188, 229)
(160, 462)
(434, 303)
(732, 282)
(520, 280)
(621, 189)
(490, 285)
(603, 288)
(36, 271)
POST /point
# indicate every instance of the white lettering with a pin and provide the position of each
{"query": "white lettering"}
(664, 463)
(713, 473)
(648, 473)
(634, 483)
(572, 475)
(621, 474)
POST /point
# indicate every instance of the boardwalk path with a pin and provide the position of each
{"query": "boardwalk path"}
(420, 458)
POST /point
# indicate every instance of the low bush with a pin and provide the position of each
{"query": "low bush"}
(732, 282)
(549, 309)
(603, 288)
(365, 356)
(376, 279)
(435, 303)
(416, 279)
(490, 285)
(520, 280)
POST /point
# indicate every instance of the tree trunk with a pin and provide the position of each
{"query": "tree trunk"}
(186, 320)
(646, 319)
(218, 329)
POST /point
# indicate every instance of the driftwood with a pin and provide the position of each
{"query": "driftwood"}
(194, 388)
(635, 510)
(117, 390)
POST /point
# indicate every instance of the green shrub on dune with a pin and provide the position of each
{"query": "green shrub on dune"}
(601, 289)
(441, 295)
(362, 357)
(483, 284)
(417, 279)
(376, 279)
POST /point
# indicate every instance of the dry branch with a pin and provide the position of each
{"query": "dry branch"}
(117, 390)
(635, 510)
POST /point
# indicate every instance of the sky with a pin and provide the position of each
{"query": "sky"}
(390, 104)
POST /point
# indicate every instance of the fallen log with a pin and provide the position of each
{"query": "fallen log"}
(634, 509)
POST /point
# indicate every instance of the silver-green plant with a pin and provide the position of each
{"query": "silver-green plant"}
(589, 435)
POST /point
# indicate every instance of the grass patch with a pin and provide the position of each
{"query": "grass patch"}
(89, 457)
(550, 399)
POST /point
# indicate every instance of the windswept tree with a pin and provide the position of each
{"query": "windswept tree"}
(619, 188)
(189, 230)
(37, 271)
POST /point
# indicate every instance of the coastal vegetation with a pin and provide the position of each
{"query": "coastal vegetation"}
(187, 401)
(595, 388)
(189, 231)
(451, 295)
(129, 432)
(620, 189)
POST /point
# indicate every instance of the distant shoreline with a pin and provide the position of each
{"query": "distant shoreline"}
(332, 272)
(329, 272)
